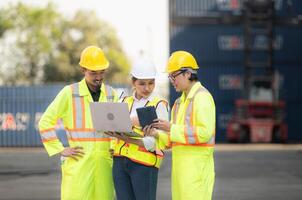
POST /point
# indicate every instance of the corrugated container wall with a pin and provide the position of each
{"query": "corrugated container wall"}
(20, 111)
(219, 52)
(224, 43)
(191, 8)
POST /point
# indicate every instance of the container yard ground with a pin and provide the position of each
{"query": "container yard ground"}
(245, 172)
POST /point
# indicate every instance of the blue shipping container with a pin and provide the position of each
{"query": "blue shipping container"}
(20, 111)
(195, 8)
(293, 113)
(291, 79)
(223, 81)
(224, 113)
(217, 44)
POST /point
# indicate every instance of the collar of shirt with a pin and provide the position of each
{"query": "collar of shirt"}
(93, 92)
(149, 98)
(191, 94)
(95, 95)
(138, 103)
(84, 89)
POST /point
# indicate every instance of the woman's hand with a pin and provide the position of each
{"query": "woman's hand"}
(162, 125)
(110, 133)
(150, 131)
(118, 135)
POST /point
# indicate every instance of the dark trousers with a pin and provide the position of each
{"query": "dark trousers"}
(134, 181)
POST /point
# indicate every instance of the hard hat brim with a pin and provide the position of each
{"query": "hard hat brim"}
(142, 77)
(171, 71)
(96, 68)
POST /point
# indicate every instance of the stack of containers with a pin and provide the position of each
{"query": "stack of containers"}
(219, 51)
(20, 111)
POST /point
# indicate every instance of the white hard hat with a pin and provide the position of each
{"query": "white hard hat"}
(143, 69)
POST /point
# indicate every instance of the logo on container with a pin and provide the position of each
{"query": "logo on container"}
(14, 122)
(234, 5)
(235, 42)
(230, 82)
(229, 5)
(224, 119)
(21, 121)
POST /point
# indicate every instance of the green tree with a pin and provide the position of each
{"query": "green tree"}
(5, 23)
(47, 46)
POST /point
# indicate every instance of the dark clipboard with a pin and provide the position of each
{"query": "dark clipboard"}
(146, 115)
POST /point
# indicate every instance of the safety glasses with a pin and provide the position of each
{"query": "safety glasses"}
(173, 76)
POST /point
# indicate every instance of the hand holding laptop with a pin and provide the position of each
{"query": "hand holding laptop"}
(112, 117)
(119, 135)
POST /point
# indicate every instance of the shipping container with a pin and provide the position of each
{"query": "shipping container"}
(293, 113)
(21, 109)
(290, 80)
(223, 44)
(224, 82)
(210, 44)
(197, 8)
(224, 113)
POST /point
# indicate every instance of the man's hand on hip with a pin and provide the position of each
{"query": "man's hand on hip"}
(73, 152)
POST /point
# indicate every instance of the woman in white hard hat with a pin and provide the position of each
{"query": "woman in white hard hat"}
(136, 160)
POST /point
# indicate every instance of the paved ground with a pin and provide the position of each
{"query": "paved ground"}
(243, 172)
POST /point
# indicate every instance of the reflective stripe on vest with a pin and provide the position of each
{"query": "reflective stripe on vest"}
(48, 135)
(79, 131)
(190, 133)
(175, 109)
(86, 136)
(78, 107)
(139, 154)
(109, 93)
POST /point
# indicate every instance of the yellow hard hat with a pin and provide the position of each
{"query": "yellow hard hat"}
(180, 59)
(93, 58)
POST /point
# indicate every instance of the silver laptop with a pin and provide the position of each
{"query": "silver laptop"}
(111, 117)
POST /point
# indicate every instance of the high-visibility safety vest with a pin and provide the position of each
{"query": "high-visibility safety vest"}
(141, 154)
(91, 176)
(192, 135)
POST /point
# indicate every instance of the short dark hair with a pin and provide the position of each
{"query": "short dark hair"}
(193, 77)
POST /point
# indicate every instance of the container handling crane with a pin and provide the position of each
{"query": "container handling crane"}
(259, 115)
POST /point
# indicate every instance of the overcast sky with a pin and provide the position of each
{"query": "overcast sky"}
(140, 24)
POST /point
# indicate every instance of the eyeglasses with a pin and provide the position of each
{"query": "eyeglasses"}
(173, 76)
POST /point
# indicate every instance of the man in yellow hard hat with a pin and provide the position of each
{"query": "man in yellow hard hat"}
(86, 162)
(192, 131)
